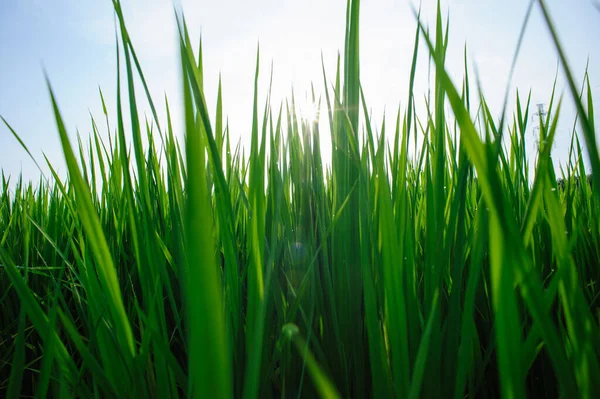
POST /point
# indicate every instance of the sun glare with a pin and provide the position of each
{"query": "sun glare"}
(309, 111)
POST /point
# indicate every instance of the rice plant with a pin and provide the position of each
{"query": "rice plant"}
(422, 261)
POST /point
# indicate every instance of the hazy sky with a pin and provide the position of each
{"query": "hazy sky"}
(74, 41)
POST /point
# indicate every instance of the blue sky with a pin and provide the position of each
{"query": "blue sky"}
(74, 41)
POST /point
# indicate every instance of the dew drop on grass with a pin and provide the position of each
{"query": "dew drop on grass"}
(290, 330)
(298, 252)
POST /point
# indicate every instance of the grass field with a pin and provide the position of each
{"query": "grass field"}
(421, 262)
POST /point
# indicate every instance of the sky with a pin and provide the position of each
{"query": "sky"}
(74, 42)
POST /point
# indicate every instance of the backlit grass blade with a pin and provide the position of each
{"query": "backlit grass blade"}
(224, 209)
(205, 319)
(91, 225)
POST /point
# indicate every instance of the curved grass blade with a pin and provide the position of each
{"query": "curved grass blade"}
(91, 225)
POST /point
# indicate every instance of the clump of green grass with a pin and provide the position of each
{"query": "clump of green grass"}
(200, 272)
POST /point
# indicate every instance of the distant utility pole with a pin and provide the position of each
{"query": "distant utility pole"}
(540, 114)
(541, 111)
(540, 117)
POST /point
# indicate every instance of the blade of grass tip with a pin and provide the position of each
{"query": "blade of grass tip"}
(129, 45)
(472, 142)
(368, 126)
(61, 187)
(104, 109)
(208, 358)
(222, 191)
(199, 63)
(467, 86)
(99, 156)
(352, 64)
(590, 99)
(219, 119)
(413, 70)
(136, 128)
(586, 123)
(91, 225)
(327, 99)
(322, 383)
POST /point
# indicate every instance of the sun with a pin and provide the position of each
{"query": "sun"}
(309, 111)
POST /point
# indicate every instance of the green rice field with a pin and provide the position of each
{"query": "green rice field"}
(431, 257)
